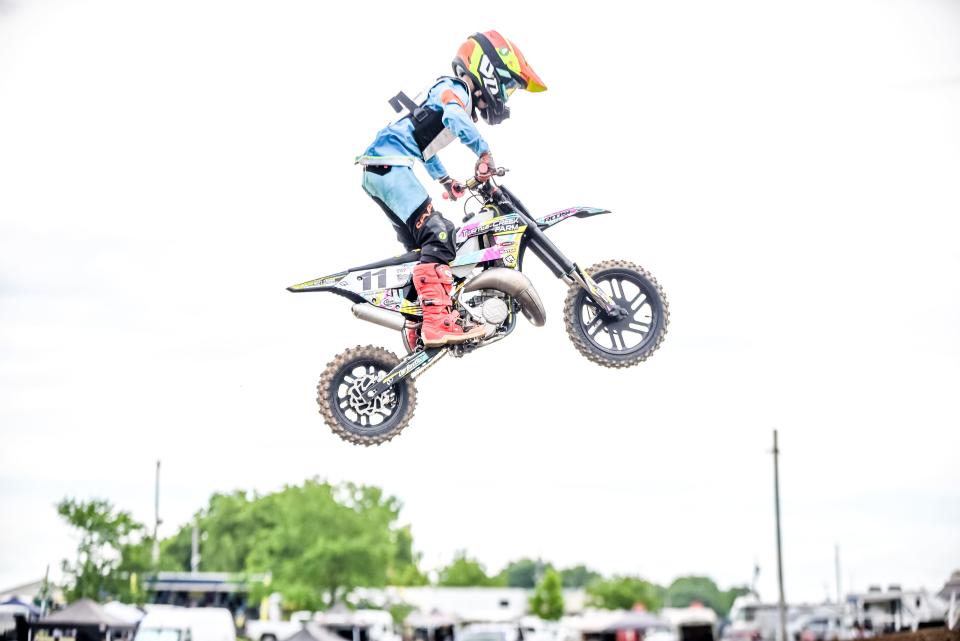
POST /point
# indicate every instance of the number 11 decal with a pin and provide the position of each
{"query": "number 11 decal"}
(367, 278)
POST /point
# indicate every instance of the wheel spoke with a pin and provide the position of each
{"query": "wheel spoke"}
(609, 332)
(639, 329)
(618, 342)
(616, 288)
(639, 299)
(594, 325)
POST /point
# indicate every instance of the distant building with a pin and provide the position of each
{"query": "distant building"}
(467, 604)
(28, 592)
(951, 589)
(204, 589)
(951, 595)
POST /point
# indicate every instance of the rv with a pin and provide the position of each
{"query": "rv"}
(893, 610)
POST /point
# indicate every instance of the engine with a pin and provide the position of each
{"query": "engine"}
(490, 307)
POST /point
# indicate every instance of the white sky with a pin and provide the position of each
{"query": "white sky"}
(789, 171)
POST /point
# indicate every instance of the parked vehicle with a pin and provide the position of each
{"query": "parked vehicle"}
(751, 620)
(187, 624)
(825, 628)
(895, 610)
(695, 623)
(490, 632)
(267, 630)
(359, 625)
(428, 627)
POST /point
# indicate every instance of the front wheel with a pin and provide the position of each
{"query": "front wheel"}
(620, 342)
(346, 409)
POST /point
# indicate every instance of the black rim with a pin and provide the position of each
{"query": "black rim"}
(633, 333)
(362, 416)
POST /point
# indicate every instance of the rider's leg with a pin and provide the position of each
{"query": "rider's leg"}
(433, 279)
(397, 197)
(403, 199)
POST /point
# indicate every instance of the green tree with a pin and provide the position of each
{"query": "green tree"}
(579, 576)
(729, 596)
(318, 541)
(465, 572)
(687, 589)
(523, 573)
(623, 593)
(405, 565)
(547, 599)
(227, 523)
(399, 612)
(110, 552)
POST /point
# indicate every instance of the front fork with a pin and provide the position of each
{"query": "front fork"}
(561, 266)
(597, 295)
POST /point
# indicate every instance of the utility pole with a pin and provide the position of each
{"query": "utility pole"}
(836, 563)
(45, 599)
(776, 500)
(156, 519)
(195, 547)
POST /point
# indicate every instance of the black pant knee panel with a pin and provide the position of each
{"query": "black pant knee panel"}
(434, 234)
(426, 230)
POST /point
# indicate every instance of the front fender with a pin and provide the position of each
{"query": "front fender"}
(579, 212)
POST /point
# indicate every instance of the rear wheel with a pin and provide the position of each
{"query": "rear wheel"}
(626, 341)
(346, 409)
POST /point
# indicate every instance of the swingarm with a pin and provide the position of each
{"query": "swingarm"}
(413, 365)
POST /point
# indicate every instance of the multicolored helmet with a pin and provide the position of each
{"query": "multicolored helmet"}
(497, 68)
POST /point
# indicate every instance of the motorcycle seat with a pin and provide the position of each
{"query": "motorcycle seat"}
(409, 257)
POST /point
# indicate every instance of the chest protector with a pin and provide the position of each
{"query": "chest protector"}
(428, 130)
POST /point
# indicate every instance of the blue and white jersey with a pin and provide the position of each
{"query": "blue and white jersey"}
(397, 143)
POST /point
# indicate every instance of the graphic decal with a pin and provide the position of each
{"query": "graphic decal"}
(414, 363)
(497, 225)
(320, 283)
(563, 214)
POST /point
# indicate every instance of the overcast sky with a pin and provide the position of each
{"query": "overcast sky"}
(789, 172)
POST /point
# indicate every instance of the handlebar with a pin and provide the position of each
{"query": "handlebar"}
(473, 182)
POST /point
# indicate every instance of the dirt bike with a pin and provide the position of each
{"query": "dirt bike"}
(615, 313)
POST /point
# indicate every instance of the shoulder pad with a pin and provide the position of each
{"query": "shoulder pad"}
(464, 86)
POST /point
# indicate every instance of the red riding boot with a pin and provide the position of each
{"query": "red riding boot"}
(433, 282)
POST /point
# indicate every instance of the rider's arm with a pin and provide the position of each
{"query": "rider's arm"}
(435, 168)
(458, 120)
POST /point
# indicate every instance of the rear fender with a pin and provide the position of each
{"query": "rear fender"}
(335, 284)
(574, 212)
(381, 286)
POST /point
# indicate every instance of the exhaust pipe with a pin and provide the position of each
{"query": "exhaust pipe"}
(378, 315)
(514, 283)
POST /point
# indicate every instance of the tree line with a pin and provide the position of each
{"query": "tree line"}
(318, 541)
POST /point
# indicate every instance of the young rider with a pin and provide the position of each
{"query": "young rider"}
(487, 69)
